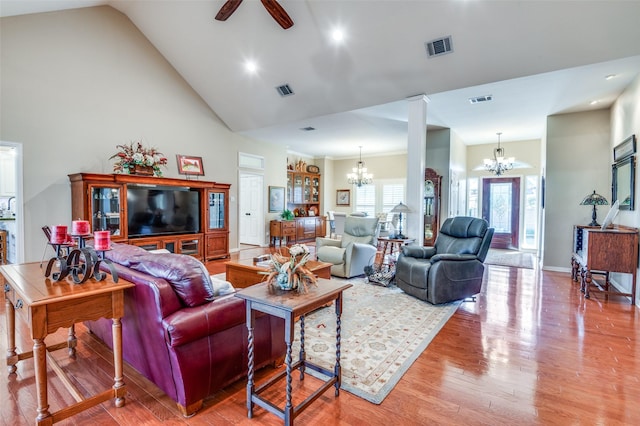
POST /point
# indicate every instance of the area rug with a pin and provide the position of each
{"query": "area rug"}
(512, 258)
(383, 332)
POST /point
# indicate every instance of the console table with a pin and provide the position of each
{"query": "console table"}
(289, 305)
(47, 306)
(598, 251)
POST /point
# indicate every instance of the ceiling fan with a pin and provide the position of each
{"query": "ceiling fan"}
(273, 7)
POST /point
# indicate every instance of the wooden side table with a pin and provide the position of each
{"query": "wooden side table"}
(47, 305)
(387, 245)
(290, 305)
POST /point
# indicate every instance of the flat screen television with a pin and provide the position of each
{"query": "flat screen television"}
(162, 210)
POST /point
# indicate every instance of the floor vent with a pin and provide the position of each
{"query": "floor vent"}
(285, 90)
(440, 46)
(479, 99)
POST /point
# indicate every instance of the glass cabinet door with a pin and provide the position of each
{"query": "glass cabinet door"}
(289, 187)
(106, 209)
(307, 190)
(216, 210)
(297, 189)
(315, 190)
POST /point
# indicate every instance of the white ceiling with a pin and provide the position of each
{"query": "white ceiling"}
(535, 57)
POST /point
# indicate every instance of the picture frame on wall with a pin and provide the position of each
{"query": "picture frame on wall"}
(625, 149)
(343, 197)
(189, 165)
(276, 199)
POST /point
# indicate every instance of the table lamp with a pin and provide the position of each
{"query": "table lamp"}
(594, 200)
(400, 208)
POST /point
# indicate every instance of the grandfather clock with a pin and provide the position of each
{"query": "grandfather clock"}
(432, 183)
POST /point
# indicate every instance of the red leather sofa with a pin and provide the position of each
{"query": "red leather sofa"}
(178, 333)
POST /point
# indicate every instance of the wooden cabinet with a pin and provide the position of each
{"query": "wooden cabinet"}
(282, 230)
(201, 231)
(301, 229)
(303, 193)
(601, 251)
(432, 189)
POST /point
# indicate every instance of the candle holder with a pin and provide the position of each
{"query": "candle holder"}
(81, 263)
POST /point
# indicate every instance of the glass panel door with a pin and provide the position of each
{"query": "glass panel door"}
(216, 210)
(501, 208)
(105, 209)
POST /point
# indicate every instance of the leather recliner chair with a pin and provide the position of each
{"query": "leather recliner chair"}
(450, 270)
(354, 251)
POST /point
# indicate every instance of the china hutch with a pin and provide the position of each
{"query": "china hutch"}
(107, 202)
(303, 199)
(432, 188)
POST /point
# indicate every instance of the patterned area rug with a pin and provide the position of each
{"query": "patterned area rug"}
(383, 332)
(513, 258)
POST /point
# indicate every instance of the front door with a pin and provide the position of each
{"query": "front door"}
(501, 208)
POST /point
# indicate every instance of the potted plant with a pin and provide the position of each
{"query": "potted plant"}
(287, 214)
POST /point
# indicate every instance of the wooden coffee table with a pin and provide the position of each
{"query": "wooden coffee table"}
(245, 273)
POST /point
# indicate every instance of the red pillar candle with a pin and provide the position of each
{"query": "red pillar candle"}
(102, 240)
(58, 234)
(80, 227)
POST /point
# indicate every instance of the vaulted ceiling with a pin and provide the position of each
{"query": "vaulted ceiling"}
(535, 58)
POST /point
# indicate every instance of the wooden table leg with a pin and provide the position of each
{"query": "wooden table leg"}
(12, 356)
(118, 385)
(72, 341)
(337, 370)
(250, 383)
(288, 339)
(40, 360)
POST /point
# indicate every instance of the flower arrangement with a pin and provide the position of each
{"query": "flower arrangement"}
(291, 273)
(134, 154)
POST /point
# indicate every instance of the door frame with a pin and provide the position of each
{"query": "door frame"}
(498, 241)
(19, 200)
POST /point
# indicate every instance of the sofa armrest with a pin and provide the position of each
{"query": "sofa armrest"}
(418, 251)
(190, 324)
(453, 257)
(357, 256)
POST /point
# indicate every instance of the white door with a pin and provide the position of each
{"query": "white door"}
(251, 208)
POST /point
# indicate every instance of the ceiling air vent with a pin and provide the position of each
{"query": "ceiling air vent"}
(479, 99)
(307, 129)
(285, 90)
(440, 46)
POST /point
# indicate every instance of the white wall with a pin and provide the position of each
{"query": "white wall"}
(438, 158)
(578, 152)
(77, 83)
(625, 121)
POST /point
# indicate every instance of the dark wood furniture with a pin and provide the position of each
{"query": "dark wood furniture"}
(101, 199)
(432, 189)
(387, 245)
(46, 308)
(299, 229)
(289, 305)
(244, 273)
(600, 252)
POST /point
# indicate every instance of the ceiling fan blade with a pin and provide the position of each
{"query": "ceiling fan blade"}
(227, 9)
(278, 13)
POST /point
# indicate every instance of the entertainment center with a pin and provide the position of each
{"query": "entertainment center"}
(182, 216)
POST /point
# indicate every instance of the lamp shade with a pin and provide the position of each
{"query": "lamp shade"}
(401, 208)
(594, 200)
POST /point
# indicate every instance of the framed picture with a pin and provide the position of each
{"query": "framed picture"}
(276, 199)
(188, 165)
(343, 197)
(625, 149)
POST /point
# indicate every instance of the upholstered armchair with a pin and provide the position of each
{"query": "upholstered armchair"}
(354, 251)
(450, 270)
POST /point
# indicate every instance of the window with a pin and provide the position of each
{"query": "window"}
(381, 196)
(530, 212)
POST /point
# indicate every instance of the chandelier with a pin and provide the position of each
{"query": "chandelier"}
(499, 164)
(359, 176)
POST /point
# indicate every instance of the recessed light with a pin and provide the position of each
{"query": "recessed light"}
(251, 66)
(593, 102)
(610, 76)
(337, 35)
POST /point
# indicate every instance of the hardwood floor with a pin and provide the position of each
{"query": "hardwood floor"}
(530, 351)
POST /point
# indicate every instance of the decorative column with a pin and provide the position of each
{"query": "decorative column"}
(416, 157)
